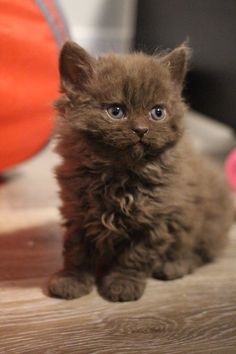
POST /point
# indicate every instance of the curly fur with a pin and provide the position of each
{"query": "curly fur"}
(131, 210)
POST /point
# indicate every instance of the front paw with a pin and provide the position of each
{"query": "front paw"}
(118, 287)
(70, 285)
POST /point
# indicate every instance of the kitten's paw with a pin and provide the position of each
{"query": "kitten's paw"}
(174, 270)
(70, 285)
(118, 287)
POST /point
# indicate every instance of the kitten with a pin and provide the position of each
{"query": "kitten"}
(137, 200)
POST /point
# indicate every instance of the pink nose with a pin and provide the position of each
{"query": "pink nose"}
(140, 131)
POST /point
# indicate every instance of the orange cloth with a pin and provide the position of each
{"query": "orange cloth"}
(28, 80)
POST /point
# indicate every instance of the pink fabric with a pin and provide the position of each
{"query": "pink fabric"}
(230, 168)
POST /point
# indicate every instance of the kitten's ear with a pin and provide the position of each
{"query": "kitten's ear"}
(75, 67)
(177, 61)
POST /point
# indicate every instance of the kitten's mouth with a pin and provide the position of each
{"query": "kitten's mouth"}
(139, 145)
(140, 142)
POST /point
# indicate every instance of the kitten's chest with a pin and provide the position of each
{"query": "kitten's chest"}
(124, 195)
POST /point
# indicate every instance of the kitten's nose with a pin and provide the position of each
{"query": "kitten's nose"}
(140, 131)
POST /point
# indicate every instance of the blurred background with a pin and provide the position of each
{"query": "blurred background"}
(31, 35)
(38, 28)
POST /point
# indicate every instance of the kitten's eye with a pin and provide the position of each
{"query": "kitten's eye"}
(158, 113)
(116, 111)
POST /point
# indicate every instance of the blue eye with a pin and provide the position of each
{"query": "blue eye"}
(116, 111)
(158, 113)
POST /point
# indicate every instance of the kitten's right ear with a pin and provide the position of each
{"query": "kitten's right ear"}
(75, 67)
(176, 61)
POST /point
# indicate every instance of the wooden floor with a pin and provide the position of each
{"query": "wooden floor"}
(196, 314)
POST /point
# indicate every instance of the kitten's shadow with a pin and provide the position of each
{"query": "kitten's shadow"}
(29, 256)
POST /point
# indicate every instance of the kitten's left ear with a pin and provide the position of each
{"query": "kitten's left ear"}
(75, 66)
(177, 61)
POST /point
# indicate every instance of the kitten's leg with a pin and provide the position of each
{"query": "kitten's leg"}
(76, 278)
(127, 279)
(208, 245)
(70, 284)
(122, 285)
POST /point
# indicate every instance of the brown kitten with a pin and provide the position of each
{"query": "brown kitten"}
(137, 200)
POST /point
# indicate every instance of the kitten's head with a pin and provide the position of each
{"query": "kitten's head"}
(130, 104)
